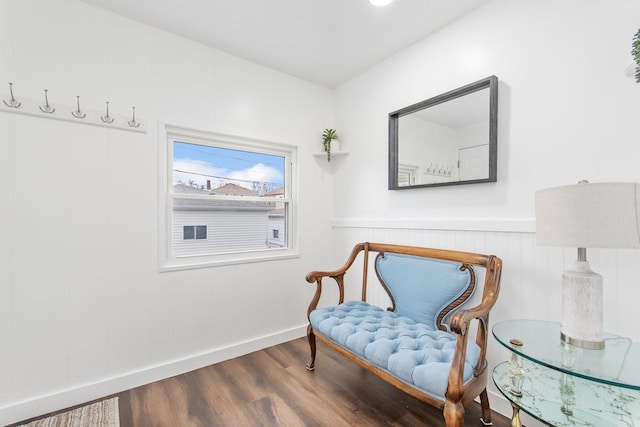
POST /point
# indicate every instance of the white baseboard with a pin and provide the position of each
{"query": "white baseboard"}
(43, 404)
(499, 404)
(502, 406)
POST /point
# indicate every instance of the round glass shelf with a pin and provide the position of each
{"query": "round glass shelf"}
(616, 364)
(562, 400)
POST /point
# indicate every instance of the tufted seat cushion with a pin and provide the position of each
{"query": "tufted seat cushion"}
(414, 352)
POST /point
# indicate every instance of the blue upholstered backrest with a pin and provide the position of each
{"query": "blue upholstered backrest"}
(422, 287)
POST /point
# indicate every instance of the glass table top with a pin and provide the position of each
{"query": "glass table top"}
(617, 364)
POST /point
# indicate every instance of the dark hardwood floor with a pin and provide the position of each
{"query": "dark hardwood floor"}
(271, 387)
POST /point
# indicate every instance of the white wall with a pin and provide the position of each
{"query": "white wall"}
(567, 111)
(84, 311)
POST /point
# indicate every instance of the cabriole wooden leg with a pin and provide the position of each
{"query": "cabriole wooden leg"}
(312, 346)
(453, 414)
(486, 410)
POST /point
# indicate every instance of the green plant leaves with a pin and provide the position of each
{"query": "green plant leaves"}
(327, 136)
(635, 51)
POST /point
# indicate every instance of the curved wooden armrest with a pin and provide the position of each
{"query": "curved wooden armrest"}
(337, 275)
(314, 276)
(460, 324)
(460, 320)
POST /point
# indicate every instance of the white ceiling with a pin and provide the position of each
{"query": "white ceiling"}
(326, 42)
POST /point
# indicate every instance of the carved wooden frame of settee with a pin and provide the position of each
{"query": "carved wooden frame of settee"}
(457, 394)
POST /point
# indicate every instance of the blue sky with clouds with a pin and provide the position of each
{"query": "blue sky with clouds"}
(199, 163)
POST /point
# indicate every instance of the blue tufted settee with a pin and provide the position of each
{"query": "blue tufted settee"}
(420, 344)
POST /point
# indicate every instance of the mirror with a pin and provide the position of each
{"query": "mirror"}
(450, 139)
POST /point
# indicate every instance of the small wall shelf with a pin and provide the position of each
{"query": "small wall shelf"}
(333, 154)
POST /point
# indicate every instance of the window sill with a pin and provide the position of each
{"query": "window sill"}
(209, 261)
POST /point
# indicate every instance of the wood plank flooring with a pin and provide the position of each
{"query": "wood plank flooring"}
(271, 387)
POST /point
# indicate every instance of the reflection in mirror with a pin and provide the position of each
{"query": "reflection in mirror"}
(450, 139)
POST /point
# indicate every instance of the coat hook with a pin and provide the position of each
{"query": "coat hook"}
(78, 114)
(46, 108)
(106, 118)
(13, 103)
(133, 122)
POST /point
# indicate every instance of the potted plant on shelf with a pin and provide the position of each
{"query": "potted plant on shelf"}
(328, 136)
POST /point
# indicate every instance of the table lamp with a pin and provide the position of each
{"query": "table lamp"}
(584, 215)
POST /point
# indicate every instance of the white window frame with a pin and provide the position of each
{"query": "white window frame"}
(167, 133)
(411, 171)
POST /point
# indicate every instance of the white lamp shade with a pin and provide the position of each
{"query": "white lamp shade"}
(598, 215)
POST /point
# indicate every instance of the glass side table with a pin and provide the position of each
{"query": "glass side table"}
(563, 385)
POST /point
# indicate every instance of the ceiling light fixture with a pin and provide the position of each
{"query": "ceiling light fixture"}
(380, 2)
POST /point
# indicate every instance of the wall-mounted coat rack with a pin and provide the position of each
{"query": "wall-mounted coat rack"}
(439, 169)
(76, 114)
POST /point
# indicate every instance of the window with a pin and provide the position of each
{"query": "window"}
(226, 199)
(406, 175)
(194, 232)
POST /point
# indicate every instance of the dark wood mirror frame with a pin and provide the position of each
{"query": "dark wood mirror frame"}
(490, 83)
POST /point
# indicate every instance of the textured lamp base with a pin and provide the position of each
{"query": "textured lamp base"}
(582, 322)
